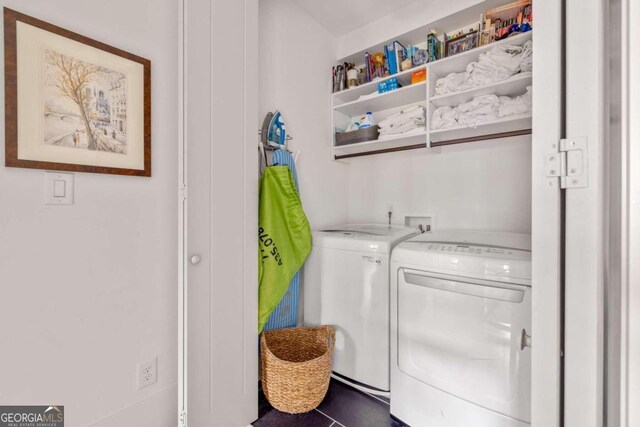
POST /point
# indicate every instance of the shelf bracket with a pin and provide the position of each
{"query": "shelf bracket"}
(569, 164)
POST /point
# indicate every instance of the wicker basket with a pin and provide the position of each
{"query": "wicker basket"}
(296, 367)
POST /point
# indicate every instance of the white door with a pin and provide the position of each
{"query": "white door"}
(584, 215)
(219, 341)
(546, 230)
(628, 163)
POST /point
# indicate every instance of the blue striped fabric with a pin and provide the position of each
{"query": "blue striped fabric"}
(286, 313)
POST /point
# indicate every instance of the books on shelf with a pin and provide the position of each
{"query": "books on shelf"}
(400, 54)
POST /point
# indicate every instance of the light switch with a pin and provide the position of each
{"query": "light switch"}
(58, 188)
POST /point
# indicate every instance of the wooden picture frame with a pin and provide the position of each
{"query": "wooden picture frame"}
(77, 105)
(461, 44)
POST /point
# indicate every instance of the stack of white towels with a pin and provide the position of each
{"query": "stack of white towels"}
(498, 64)
(481, 109)
(406, 122)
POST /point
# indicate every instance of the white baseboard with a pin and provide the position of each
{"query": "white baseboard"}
(158, 410)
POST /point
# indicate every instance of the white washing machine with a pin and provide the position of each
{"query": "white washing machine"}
(346, 284)
(460, 319)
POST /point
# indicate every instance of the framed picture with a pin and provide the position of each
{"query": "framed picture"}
(461, 44)
(73, 103)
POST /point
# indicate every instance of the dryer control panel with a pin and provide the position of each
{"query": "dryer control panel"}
(467, 249)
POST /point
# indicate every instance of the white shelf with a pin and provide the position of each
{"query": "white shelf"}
(516, 85)
(347, 103)
(402, 141)
(458, 63)
(501, 126)
(395, 98)
(348, 95)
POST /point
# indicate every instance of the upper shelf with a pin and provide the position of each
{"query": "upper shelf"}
(348, 101)
(383, 101)
(458, 63)
(508, 126)
(516, 85)
(352, 94)
(397, 143)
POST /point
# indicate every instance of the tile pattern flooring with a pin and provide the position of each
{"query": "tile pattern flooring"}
(343, 406)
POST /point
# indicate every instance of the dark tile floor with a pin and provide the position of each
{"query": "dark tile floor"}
(343, 406)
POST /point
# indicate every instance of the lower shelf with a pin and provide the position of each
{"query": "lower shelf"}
(406, 142)
(506, 127)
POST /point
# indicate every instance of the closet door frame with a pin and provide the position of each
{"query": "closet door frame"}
(547, 214)
(629, 384)
(586, 227)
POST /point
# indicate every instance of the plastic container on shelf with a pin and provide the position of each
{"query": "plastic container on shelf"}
(367, 121)
(388, 85)
(418, 76)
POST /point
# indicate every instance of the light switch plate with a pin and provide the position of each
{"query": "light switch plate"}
(58, 188)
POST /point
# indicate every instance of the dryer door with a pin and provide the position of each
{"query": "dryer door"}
(464, 337)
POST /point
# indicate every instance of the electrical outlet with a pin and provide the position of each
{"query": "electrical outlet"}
(147, 373)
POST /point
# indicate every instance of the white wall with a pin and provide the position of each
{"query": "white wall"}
(482, 185)
(87, 291)
(296, 56)
(402, 20)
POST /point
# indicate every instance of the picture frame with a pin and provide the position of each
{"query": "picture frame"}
(461, 44)
(73, 103)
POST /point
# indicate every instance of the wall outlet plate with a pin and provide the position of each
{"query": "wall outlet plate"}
(58, 188)
(147, 373)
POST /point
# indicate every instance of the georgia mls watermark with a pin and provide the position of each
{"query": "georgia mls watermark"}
(32, 416)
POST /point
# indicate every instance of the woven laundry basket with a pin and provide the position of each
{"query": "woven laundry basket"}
(296, 367)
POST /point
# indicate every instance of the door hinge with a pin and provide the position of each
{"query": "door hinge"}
(569, 164)
(183, 192)
(183, 419)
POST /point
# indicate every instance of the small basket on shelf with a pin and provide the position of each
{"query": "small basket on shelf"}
(355, 136)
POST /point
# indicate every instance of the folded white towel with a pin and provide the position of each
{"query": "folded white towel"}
(402, 128)
(454, 82)
(480, 110)
(513, 106)
(444, 117)
(498, 64)
(415, 130)
(403, 121)
(417, 111)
